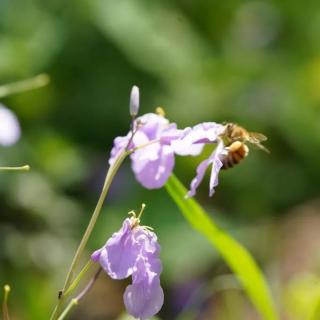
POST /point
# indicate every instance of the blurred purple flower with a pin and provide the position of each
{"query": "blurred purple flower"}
(153, 163)
(9, 127)
(134, 251)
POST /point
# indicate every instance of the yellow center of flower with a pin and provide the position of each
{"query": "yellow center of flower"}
(160, 112)
(136, 219)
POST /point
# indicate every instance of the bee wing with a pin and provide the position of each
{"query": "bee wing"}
(261, 147)
(256, 137)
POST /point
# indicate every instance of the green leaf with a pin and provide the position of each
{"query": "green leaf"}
(235, 255)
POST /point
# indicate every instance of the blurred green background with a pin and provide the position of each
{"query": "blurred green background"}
(256, 63)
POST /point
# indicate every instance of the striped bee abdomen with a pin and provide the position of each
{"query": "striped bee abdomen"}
(236, 152)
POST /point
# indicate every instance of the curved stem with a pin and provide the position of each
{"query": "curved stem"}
(73, 302)
(89, 285)
(76, 281)
(110, 175)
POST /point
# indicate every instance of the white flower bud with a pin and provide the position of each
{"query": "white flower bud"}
(134, 101)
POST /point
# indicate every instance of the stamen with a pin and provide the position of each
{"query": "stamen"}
(132, 213)
(148, 228)
(160, 112)
(141, 210)
(136, 219)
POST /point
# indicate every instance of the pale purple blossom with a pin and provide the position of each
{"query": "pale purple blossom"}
(193, 139)
(153, 158)
(119, 254)
(134, 251)
(192, 142)
(9, 127)
(144, 299)
(215, 162)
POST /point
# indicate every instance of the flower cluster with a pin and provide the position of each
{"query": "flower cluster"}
(134, 251)
(155, 142)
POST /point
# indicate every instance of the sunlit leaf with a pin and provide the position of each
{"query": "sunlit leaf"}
(235, 255)
(302, 296)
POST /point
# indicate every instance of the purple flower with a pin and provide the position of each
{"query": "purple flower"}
(119, 254)
(9, 127)
(192, 143)
(192, 140)
(153, 163)
(144, 299)
(134, 251)
(215, 161)
(154, 142)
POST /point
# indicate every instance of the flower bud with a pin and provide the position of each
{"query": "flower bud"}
(134, 101)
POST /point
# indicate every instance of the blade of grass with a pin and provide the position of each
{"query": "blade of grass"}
(235, 255)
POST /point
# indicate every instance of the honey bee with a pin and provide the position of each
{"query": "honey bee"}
(235, 138)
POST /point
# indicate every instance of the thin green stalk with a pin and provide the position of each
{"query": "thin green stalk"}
(110, 175)
(5, 310)
(76, 281)
(24, 85)
(22, 168)
(72, 303)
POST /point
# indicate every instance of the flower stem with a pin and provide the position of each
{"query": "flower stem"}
(24, 85)
(145, 145)
(22, 168)
(73, 302)
(76, 281)
(89, 285)
(109, 177)
(6, 289)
